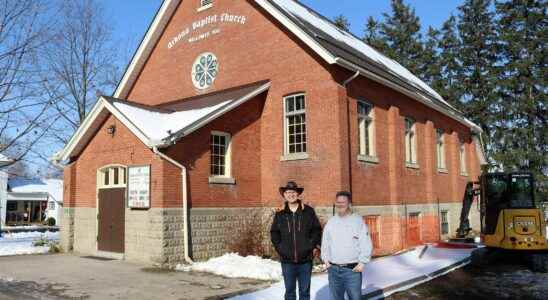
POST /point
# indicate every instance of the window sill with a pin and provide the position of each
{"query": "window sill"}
(464, 174)
(202, 8)
(412, 165)
(294, 156)
(368, 159)
(221, 180)
(444, 171)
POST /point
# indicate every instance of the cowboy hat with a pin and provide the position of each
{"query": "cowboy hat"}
(291, 185)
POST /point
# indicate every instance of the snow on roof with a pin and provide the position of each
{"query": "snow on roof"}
(158, 125)
(54, 187)
(309, 17)
(3, 158)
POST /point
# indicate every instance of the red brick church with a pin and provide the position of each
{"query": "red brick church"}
(225, 101)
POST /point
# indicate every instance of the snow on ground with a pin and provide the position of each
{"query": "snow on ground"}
(23, 242)
(235, 266)
(407, 269)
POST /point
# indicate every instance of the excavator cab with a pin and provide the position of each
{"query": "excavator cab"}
(510, 217)
(511, 220)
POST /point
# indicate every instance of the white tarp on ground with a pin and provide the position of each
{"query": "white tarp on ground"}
(385, 273)
(23, 242)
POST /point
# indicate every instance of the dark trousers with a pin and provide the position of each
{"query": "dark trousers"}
(294, 273)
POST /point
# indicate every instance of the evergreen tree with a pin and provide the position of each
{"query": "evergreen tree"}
(373, 36)
(401, 34)
(477, 74)
(448, 45)
(342, 22)
(430, 68)
(523, 132)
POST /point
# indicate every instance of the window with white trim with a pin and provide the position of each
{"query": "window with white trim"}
(440, 149)
(366, 129)
(295, 124)
(112, 177)
(462, 156)
(410, 141)
(220, 154)
(444, 222)
(205, 3)
(51, 205)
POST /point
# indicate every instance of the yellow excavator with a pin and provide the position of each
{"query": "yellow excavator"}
(512, 221)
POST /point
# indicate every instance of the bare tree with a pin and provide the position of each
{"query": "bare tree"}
(23, 118)
(81, 60)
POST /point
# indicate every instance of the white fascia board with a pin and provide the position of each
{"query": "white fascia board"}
(101, 105)
(84, 127)
(417, 96)
(214, 115)
(296, 30)
(129, 124)
(146, 47)
(27, 196)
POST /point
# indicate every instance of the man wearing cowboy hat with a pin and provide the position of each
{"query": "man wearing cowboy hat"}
(295, 233)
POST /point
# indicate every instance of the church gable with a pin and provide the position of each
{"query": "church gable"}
(226, 44)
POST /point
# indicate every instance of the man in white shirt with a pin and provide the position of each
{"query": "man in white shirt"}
(346, 248)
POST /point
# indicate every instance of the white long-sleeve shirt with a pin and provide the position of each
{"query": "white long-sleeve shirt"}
(346, 240)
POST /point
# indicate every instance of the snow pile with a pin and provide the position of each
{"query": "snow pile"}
(384, 276)
(23, 243)
(34, 235)
(235, 266)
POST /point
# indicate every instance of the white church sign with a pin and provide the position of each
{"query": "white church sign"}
(138, 187)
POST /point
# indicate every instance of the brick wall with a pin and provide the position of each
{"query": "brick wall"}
(122, 148)
(257, 50)
(389, 180)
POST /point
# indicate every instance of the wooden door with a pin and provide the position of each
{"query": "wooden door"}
(414, 230)
(111, 220)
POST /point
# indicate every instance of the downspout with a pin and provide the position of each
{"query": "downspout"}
(345, 84)
(185, 202)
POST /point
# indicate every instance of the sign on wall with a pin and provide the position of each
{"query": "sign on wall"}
(201, 29)
(138, 187)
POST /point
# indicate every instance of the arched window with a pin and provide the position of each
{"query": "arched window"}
(113, 176)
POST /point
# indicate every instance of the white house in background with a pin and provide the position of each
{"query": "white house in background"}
(33, 200)
(3, 188)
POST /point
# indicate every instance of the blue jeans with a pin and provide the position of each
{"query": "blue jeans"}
(294, 273)
(343, 280)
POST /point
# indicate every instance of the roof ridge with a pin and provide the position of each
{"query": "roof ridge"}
(324, 18)
(197, 97)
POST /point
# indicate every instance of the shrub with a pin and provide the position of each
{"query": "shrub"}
(252, 236)
(54, 247)
(40, 242)
(50, 221)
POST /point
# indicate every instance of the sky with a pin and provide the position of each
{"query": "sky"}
(130, 18)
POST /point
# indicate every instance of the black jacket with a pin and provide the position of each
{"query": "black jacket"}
(295, 235)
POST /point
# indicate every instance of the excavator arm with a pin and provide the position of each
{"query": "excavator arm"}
(469, 194)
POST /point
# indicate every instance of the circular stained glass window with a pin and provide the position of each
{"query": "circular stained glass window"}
(205, 70)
